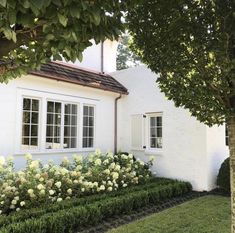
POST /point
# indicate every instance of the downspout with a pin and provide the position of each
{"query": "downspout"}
(115, 123)
(102, 57)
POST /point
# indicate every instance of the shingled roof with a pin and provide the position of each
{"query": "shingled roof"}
(68, 73)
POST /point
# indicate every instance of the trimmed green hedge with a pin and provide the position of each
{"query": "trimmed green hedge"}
(44, 209)
(71, 218)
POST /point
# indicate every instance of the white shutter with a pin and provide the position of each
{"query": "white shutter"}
(137, 131)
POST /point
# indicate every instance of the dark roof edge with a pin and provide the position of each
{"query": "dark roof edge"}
(42, 74)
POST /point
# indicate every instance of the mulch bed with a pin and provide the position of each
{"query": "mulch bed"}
(116, 221)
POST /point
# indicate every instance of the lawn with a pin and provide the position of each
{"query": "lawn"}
(209, 214)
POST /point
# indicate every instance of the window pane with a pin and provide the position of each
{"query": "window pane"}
(67, 120)
(25, 130)
(25, 141)
(159, 132)
(35, 105)
(85, 121)
(50, 119)
(66, 142)
(50, 106)
(91, 111)
(66, 131)
(91, 121)
(153, 142)
(88, 126)
(159, 121)
(57, 119)
(34, 141)
(30, 123)
(74, 120)
(34, 118)
(34, 130)
(159, 142)
(73, 131)
(67, 108)
(49, 131)
(57, 131)
(26, 104)
(73, 143)
(152, 121)
(74, 109)
(90, 142)
(57, 107)
(153, 132)
(26, 117)
(85, 110)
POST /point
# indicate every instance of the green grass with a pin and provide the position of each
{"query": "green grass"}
(209, 214)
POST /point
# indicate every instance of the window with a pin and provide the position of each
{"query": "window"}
(53, 127)
(30, 123)
(61, 120)
(88, 127)
(155, 132)
(70, 126)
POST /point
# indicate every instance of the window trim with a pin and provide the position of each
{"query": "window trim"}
(85, 149)
(62, 149)
(39, 124)
(147, 136)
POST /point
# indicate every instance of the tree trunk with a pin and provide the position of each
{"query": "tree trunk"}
(231, 134)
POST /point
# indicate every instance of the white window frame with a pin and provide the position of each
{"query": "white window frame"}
(94, 139)
(62, 149)
(21, 124)
(57, 97)
(147, 136)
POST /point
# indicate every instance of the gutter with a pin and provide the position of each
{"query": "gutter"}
(102, 57)
(115, 123)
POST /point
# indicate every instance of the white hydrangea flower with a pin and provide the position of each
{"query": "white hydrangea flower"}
(69, 191)
(22, 203)
(59, 199)
(97, 152)
(28, 156)
(2, 160)
(30, 191)
(98, 162)
(58, 184)
(115, 175)
(40, 187)
(51, 192)
(110, 189)
(14, 202)
(102, 187)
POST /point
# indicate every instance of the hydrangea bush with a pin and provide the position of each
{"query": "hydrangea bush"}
(44, 183)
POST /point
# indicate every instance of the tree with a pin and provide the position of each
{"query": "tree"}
(191, 44)
(125, 57)
(34, 31)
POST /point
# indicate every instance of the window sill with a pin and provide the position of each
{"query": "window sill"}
(59, 151)
(153, 152)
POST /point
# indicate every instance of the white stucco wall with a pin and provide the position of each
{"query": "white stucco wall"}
(185, 154)
(11, 108)
(217, 152)
(92, 57)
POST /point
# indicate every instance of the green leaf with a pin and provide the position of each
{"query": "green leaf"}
(80, 57)
(62, 19)
(75, 12)
(12, 17)
(50, 36)
(14, 36)
(96, 16)
(3, 3)
(7, 33)
(38, 3)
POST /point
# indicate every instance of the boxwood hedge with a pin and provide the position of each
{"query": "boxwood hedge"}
(69, 216)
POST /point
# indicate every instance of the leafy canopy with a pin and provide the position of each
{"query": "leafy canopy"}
(191, 44)
(34, 31)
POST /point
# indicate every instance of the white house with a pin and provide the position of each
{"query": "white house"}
(64, 109)
(149, 124)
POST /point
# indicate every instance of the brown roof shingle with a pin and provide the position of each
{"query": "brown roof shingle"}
(68, 73)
